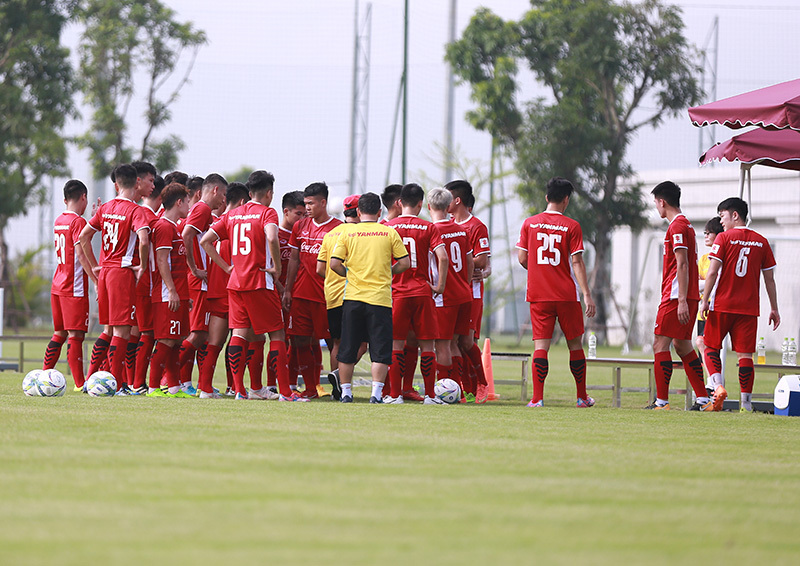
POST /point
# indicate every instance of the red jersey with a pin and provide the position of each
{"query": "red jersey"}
(286, 252)
(680, 235)
(744, 254)
(479, 240)
(245, 228)
(551, 239)
(458, 288)
(144, 287)
(420, 238)
(218, 279)
(69, 280)
(199, 218)
(307, 237)
(118, 221)
(166, 236)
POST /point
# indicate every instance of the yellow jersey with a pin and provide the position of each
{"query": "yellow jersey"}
(334, 283)
(702, 270)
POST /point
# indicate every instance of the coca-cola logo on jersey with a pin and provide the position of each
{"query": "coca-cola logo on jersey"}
(182, 250)
(314, 249)
(286, 253)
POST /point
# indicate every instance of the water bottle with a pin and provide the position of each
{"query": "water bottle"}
(761, 351)
(785, 352)
(792, 352)
(592, 346)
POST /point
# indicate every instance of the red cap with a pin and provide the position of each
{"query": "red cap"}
(351, 202)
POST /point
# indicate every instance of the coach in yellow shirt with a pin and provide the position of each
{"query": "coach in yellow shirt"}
(363, 254)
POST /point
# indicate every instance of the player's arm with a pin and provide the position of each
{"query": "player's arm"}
(144, 250)
(337, 266)
(291, 275)
(711, 280)
(579, 269)
(481, 262)
(84, 261)
(682, 261)
(443, 263)
(85, 244)
(274, 246)
(189, 233)
(522, 257)
(400, 265)
(162, 262)
(772, 293)
(484, 272)
(470, 261)
(208, 243)
(321, 268)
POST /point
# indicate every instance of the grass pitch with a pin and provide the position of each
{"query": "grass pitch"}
(173, 481)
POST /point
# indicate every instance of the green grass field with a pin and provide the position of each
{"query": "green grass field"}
(163, 481)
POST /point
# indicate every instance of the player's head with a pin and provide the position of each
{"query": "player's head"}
(732, 212)
(260, 182)
(411, 195)
(214, 189)
(294, 208)
(666, 194)
(74, 190)
(195, 186)
(470, 202)
(176, 177)
(390, 197)
(439, 199)
(351, 208)
(369, 204)
(712, 228)
(125, 176)
(558, 189)
(461, 191)
(315, 197)
(236, 195)
(174, 195)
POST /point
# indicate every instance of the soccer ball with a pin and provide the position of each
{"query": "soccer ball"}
(447, 390)
(51, 383)
(101, 384)
(30, 383)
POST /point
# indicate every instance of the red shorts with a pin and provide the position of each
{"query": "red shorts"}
(545, 313)
(667, 321)
(169, 325)
(218, 307)
(417, 313)
(144, 313)
(70, 313)
(308, 318)
(200, 313)
(116, 296)
(741, 327)
(259, 310)
(477, 316)
(452, 320)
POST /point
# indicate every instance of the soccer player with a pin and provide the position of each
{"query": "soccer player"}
(713, 227)
(739, 257)
(391, 200)
(304, 295)
(412, 302)
(255, 307)
(123, 225)
(680, 297)
(556, 244)
(363, 254)
(69, 293)
(170, 293)
(453, 290)
(212, 195)
(217, 296)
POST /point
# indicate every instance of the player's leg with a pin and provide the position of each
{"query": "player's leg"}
(716, 328)
(217, 333)
(402, 315)
(743, 342)
(353, 334)
(76, 323)
(75, 356)
(100, 347)
(543, 320)
(667, 327)
(694, 373)
(379, 329)
(53, 350)
(570, 319)
(410, 355)
(144, 349)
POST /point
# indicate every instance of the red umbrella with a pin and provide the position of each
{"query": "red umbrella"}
(775, 107)
(779, 148)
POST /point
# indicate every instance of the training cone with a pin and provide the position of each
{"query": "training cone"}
(486, 360)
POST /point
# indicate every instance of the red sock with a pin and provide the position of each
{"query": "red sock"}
(662, 365)
(294, 370)
(746, 375)
(308, 368)
(130, 359)
(255, 364)
(396, 373)
(75, 360)
(158, 364)
(317, 351)
(173, 370)
(474, 355)
(428, 366)
(53, 351)
(443, 372)
(278, 358)
(237, 351)
(116, 359)
(202, 351)
(143, 354)
(99, 351)
(694, 371)
(577, 365)
(186, 361)
(409, 367)
(228, 370)
(206, 380)
(713, 362)
(540, 368)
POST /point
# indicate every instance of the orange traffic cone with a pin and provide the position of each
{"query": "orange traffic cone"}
(486, 360)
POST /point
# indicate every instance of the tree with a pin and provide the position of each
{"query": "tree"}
(121, 39)
(36, 87)
(610, 70)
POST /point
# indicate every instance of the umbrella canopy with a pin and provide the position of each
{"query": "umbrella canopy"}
(773, 148)
(775, 107)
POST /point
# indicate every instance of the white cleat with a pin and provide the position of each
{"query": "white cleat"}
(263, 393)
(433, 401)
(212, 395)
(393, 400)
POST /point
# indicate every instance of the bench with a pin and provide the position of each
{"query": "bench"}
(525, 360)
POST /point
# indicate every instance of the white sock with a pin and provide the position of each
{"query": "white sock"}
(746, 400)
(174, 390)
(347, 389)
(702, 400)
(661, 402)
(151, 389)
(377, 389)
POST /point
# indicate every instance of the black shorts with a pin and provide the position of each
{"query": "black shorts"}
(335, 322)
(701, 326)
(362, 322)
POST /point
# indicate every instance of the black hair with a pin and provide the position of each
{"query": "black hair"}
(236, 192)
(668, 191)
(734, 204)
(172, 193)
(215, 180)
(350, 213)
(558, 188)
(176, 177)
(143, 168)
(319, 189)
(411, 195)
(460, 189)
(369, 203)
(714, 226)
(194, 184)
(125, 176)
(390, 195)
(74, 190)
(158, 186)
(260, 182)
(292, 199)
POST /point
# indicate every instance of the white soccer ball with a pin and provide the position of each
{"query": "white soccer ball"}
(30, 383)
(447, 390)
(101, 384)
(52, 383)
